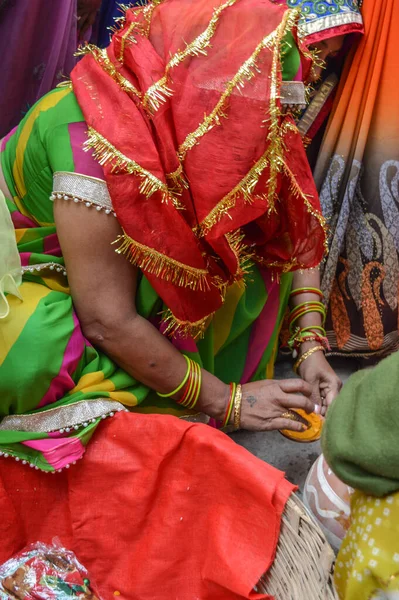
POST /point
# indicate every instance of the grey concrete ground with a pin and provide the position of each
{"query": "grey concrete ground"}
(292, 457)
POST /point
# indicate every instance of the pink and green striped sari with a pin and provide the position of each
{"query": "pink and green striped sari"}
(55, 386)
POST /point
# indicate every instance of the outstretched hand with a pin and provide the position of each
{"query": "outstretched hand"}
(264, 404)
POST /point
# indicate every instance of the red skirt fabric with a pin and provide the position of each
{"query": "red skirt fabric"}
(157, 508)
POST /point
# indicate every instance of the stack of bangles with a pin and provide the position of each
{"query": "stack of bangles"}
(314, 333)
(191, 386)
(233, 407)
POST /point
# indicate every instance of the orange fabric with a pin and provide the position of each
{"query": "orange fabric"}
(159, 508)
(356, 174)
(229, 175)
(362, 94)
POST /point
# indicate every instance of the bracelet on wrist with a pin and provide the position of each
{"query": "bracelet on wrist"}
(306, 355)
(237, 407)
(306, 290)
(303, 309)
(191, 386)
(302, 335)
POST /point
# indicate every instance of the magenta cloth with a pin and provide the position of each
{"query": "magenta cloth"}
(63, 382)
(84, 162)
(263, 328)
(37, 41)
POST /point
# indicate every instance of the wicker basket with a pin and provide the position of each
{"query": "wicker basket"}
(304, 560)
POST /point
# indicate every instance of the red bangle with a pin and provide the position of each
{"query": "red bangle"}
(305, 290)
(303, 310)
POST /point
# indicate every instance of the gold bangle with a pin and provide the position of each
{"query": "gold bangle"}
(237, 407)
(306, 355)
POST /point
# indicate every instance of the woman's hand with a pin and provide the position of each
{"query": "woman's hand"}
(325, 383)
(265, 402)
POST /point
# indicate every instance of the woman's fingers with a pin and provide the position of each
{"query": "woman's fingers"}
(330, 390)
(330, 396)
(287, 424)
(296, 386)
(297, 401)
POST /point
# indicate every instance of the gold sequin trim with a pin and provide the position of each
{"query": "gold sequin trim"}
(151, 261)
(158, 93)
(106, 153)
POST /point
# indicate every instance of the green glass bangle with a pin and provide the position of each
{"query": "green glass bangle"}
(311, 327)
(313, 302)
(182, 383)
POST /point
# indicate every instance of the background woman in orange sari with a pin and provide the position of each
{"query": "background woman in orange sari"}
(357, 174)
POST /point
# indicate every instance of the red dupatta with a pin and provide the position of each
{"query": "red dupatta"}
(204, 172)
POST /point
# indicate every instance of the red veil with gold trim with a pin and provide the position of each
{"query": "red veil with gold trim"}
(204, 171)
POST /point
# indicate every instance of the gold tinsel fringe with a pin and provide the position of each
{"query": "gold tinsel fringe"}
(310, 54)
(242, 252)
(156, 95)
(178, 180)
(245, 188)
(273, 156)
(195, 329)
(160, 91)
(126, 37)
(245, 73)
(299, 193)
(102, 58)
(275, 138)
(106, 153)
(153, 262)
(283, 267)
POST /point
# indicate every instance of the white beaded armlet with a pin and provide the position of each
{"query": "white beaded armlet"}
(82, 188)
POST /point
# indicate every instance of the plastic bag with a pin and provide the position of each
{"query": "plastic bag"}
(43, 572)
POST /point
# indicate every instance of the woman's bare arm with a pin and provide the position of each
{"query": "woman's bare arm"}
(103, 287)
